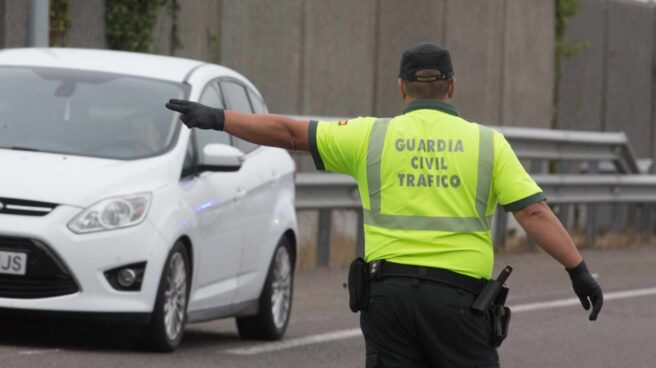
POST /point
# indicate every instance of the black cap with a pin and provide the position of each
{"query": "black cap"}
(422, 56)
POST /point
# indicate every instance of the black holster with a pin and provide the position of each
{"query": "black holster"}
(492, 300)
(500, 318)
(358, 285)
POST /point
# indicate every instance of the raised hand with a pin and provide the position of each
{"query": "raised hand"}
(195, 115)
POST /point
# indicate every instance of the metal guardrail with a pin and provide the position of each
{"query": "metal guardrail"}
(547, 144)
(326, 192)
(583, 189)
(608, 152)
(321, 191)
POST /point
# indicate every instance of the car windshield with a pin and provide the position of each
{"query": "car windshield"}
(86, 113)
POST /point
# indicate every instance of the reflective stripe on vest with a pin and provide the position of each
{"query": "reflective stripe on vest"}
(374, 217)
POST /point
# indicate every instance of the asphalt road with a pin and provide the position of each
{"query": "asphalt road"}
(548, 328)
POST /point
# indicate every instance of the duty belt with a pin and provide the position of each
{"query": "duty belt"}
(381, 268)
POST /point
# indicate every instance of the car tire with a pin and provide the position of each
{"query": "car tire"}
(166, 326)
(275, 303)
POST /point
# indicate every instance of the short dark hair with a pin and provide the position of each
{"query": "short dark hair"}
(437, 89)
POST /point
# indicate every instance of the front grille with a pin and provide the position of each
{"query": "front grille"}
(13, 206)
(46, 274)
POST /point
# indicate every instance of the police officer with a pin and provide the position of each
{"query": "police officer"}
(429, 182)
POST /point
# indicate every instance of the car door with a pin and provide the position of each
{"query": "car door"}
(257, 213)
(215, 198)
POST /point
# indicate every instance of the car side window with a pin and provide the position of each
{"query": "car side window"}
(211, 96)
(237, 99)
(188, 164)
(258, 105)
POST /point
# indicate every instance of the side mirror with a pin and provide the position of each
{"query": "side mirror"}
(220, 157)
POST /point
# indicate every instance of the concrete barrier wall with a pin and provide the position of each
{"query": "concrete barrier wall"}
(528, 64)
(475, 37)
(629, 72)
(611, 85)
(198, 24)
(2, 23)
(400, 25)
(341, 57)
(263, 39)
(87, 29)
(15, 21)
(87, 23)
(653, 83)
(502, 53)
(581, 96)
(162, 43)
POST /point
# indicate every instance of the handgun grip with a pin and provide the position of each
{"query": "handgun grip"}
(486, 297)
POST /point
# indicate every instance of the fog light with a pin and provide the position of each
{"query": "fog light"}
(126, 277)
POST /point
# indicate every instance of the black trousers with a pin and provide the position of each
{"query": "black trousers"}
(412, 323)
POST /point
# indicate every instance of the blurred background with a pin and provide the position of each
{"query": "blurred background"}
(558, 77)
(557, 64)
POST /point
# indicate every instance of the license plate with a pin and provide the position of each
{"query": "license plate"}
(13, 263)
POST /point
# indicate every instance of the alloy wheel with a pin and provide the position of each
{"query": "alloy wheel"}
(281, 287)
(175, 296)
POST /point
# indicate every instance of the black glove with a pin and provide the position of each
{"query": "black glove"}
(195, 115)
(586, 287)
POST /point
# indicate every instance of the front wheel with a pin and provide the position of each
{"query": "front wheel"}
(275, 302)
(164, 332)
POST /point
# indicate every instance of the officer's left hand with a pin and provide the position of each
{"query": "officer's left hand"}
(195, 115)
(587, 289)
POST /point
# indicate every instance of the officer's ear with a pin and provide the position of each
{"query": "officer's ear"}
(452, 87)
(401, 88)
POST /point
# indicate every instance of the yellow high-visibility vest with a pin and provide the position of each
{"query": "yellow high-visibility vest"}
(429, 183)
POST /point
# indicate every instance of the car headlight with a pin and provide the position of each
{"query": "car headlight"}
(112, 213)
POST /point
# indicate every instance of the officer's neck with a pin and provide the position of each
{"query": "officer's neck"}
(409, 100)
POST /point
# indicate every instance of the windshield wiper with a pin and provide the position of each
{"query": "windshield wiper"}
(19, 148)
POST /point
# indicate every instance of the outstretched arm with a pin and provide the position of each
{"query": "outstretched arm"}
(542, 225)
(270, 130)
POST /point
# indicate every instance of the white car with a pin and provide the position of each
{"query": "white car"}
(110, 207)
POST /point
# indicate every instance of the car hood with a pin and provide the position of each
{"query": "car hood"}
(75, 180)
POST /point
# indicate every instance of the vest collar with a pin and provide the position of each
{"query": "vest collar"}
(431, 104)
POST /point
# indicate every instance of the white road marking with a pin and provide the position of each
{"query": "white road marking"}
(299, 341)
(616, 295)
(355, 332)
(30, 352)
